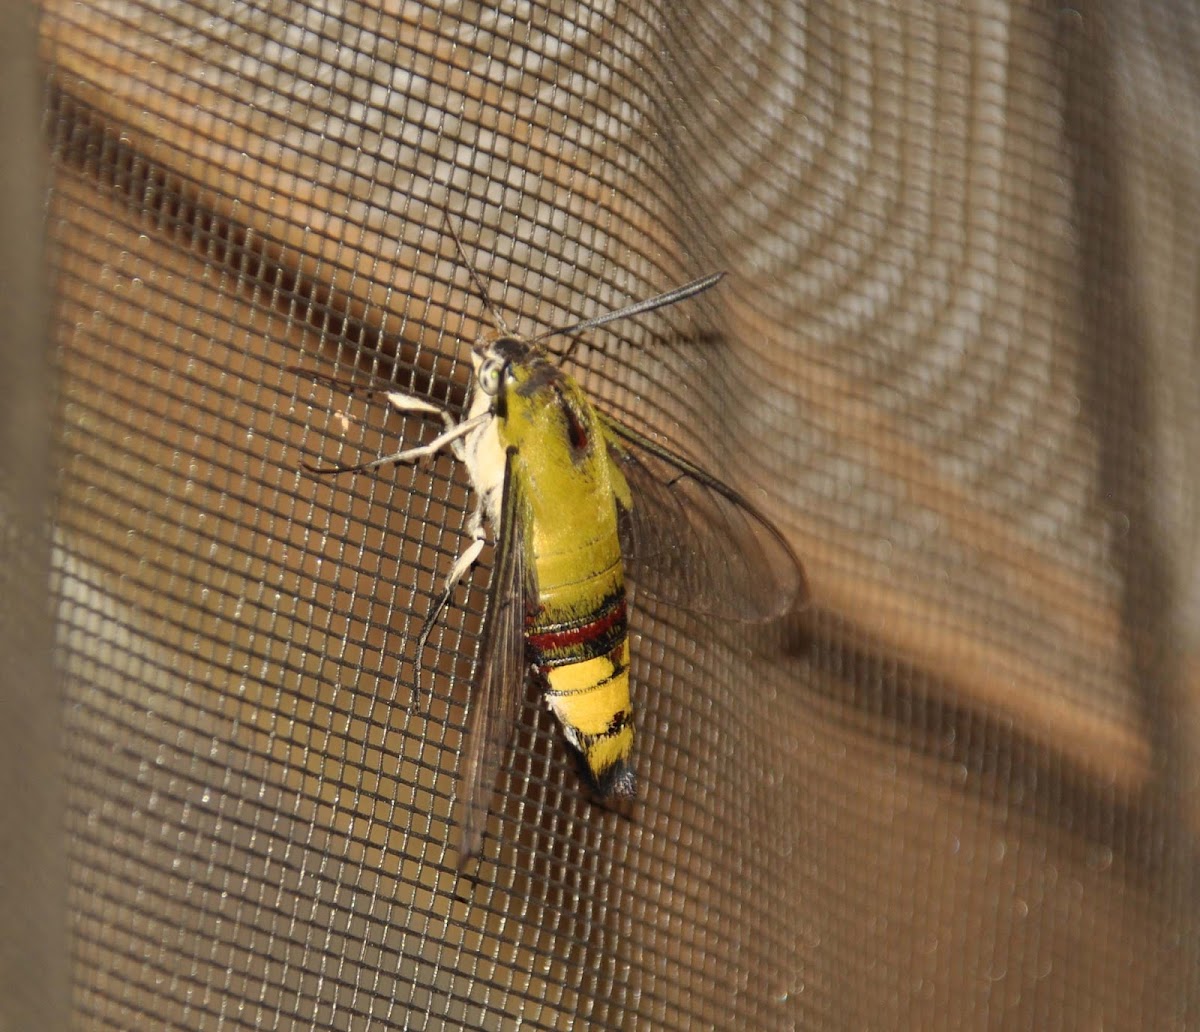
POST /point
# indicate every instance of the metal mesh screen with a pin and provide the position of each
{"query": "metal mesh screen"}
(954, 359)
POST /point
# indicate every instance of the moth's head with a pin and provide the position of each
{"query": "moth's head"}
(506, 361)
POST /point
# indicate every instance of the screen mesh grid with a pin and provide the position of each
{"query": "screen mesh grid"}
(956, 791)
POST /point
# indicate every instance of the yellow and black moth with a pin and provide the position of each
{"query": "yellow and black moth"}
(574, 500)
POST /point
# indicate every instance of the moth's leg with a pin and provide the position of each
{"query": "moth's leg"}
(409, 403)
(462, 566)
(402, 402)
(450, 437)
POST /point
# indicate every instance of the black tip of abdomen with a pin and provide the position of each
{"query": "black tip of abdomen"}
(622, 782)
(616, 782)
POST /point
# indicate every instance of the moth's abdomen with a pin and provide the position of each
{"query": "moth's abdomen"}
(577, 643)
(557, 642)
(577, 636)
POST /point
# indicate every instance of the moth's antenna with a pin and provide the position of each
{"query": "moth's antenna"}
(637, 308)
(480, 289)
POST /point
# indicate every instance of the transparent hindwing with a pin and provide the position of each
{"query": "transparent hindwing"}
(693, 542)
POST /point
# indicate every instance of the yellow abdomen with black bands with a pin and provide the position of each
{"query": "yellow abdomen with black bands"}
(583, 660)
(577, 630)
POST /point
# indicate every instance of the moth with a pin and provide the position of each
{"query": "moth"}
(573, 500)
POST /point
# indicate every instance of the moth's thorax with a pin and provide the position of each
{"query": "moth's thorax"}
(543, 414)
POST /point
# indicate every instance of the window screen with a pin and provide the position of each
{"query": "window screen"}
(954, 359)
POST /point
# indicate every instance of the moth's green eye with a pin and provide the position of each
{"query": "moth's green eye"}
(489, 376)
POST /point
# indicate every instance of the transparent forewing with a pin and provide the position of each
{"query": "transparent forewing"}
(693, 542)
(496, 696)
